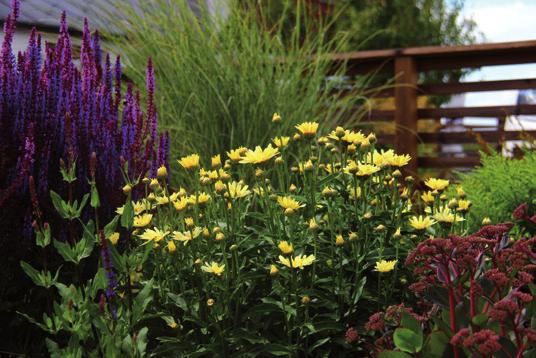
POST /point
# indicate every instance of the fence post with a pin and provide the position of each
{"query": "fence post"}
(406, 110)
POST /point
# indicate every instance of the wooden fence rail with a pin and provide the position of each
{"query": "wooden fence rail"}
(406, 64)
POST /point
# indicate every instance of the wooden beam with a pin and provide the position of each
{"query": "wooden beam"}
(405, 113)
(463, 87)
(449, 162)
(439, 57)
(488, 111)
(462, 137)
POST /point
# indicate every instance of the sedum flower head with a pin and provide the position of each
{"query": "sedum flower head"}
(285, 247)
(142, 220)
(213, 268)
(385, 266)
(259, 155)
(299, 261)
(437, 184)
(190, 161)
(307, 128)
(420, 222)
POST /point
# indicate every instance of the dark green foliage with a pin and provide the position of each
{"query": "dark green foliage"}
(498, 186)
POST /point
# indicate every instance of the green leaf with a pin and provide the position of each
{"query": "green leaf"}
(32, 273)
(43, 236)
(59, 204)
(81, 207)
(141, 301)
(95, 200)
(141, 341)
(359, 289)
(408, 341)
(393, 354)
(409, 322)
(127, 217)
(480, 319)
(109, 229)
(435, 344)
(66, 251)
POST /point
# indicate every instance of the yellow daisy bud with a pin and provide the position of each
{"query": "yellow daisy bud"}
(127, 188)
(305, 300)
(114, 238)
(216, 161)
(189, 221)
(313, 226)
(486, 221)
(339, 240)
(352, 236)
(273, 270)
(171, 246)
(220, 236)
(210, 302)
(162, 172)
(276, 117)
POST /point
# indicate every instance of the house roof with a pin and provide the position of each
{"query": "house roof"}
(45, 14)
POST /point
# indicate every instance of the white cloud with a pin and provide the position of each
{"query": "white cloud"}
(504, 20)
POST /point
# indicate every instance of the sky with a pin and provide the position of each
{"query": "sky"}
(501, 21)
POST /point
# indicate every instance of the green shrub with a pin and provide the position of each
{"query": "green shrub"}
(498, 186)
(221, 78)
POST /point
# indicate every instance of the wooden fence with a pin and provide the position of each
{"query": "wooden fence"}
(406, 64)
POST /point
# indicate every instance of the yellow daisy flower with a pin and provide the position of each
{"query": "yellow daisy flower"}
(214, 268)
(288, 203)
(190, 161)
(385, 266)
(154, 234)
(142, 220)
(421, 223)
(281, 142)
(259, 155)
(307, 128)
(285, 247)
(237, 190)
(187, 236)
(299, 261)
(436, 184)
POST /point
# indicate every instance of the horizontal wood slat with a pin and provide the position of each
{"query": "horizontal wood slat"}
(449, 162)
(459, 112)
(463, 87)
(462, 137)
